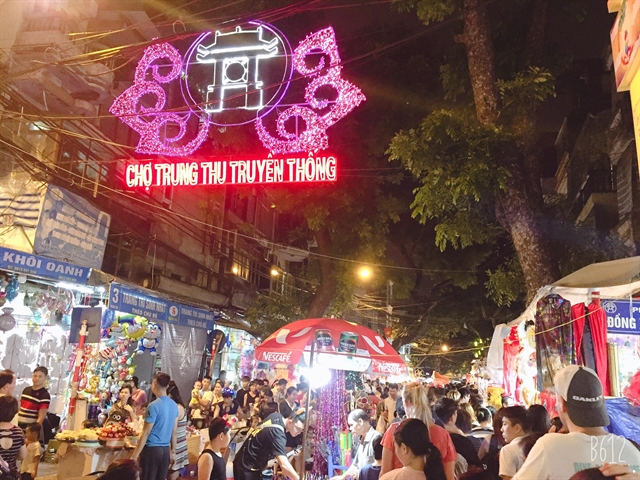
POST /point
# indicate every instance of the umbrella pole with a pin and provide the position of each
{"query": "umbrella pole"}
(306, 423)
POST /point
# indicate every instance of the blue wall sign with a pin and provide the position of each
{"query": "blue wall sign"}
(70, 228)
(623, 316)
(21, 262)
(129, 300)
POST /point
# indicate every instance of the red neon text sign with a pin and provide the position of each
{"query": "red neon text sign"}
(231, 172)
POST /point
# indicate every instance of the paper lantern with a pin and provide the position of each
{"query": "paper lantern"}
(7, 322)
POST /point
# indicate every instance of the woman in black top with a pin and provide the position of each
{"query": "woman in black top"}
(211, 465)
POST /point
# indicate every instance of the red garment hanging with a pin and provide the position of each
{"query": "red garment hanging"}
(598, 324)
(511, 349)
(578, 315)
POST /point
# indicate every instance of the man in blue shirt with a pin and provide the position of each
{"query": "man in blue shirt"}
(157, 445)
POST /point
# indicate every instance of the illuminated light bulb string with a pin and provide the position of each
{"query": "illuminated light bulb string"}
(313, 138)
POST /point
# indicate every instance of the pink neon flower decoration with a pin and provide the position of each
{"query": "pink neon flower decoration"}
(128, 109)
(314, 136)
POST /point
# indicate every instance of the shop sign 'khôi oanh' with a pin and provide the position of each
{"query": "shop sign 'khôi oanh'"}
(236, 77)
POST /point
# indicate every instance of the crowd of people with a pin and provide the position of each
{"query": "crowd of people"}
(161, 451)
(401, 432)
(420, 432)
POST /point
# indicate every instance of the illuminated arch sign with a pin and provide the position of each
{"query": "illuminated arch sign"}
(235, 77)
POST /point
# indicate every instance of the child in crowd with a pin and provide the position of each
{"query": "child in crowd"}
(194, 406)
(29, 467)
(372, 472)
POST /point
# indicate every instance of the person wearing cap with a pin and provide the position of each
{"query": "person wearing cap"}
(228, 406)
(266, 442)
(581, 408)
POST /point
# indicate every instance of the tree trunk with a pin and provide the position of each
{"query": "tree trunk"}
(521, 218)
(534, 45)
(481, 59)
(518, 208)
(328, 284)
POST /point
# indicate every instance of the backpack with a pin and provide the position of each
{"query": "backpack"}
(491, 461)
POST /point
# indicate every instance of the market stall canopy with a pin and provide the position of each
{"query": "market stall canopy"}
(440, 380)
(615, 273)
(339, 344)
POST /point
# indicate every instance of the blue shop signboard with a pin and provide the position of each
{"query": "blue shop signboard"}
(623, 316)
(129, 300)
(21, 262)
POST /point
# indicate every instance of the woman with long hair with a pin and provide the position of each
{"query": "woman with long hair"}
(420, 459)
(123, 410)
(416, 404)
(181, 455)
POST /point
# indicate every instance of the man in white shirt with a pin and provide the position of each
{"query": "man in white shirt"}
(515, 425)
(581, 407)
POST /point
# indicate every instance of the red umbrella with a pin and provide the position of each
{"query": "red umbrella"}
(337, 344)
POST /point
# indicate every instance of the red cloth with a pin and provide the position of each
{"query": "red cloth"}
(548, 400)
(578, 314)
(511, 349)
(438, 436)
(598, 324)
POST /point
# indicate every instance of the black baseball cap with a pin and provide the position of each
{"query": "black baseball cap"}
(581, 390)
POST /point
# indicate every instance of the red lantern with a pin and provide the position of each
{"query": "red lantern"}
(387, 332)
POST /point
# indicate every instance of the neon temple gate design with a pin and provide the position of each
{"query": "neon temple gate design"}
(237, 67)
(237, 71)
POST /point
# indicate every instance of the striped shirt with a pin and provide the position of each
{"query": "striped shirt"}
(10, 442)
(31, 402)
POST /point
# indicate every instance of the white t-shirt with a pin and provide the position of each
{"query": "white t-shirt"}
(511, 458)
(558, 456)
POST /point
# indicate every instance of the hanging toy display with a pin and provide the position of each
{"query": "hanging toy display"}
(137, 329)
(150, 339)
(116, 330)
(108, 317)
(12, 289)
(7, 321)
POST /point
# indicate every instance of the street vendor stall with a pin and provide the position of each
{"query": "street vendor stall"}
(587, 318)
(328, 347)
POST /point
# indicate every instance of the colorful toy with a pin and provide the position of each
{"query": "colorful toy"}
(137, 329)
(150, 340)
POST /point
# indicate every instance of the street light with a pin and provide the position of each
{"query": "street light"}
(364, 273)
(444, 348)
(274, 272)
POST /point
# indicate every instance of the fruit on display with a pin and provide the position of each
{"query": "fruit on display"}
(115, 430)
(87, 435)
